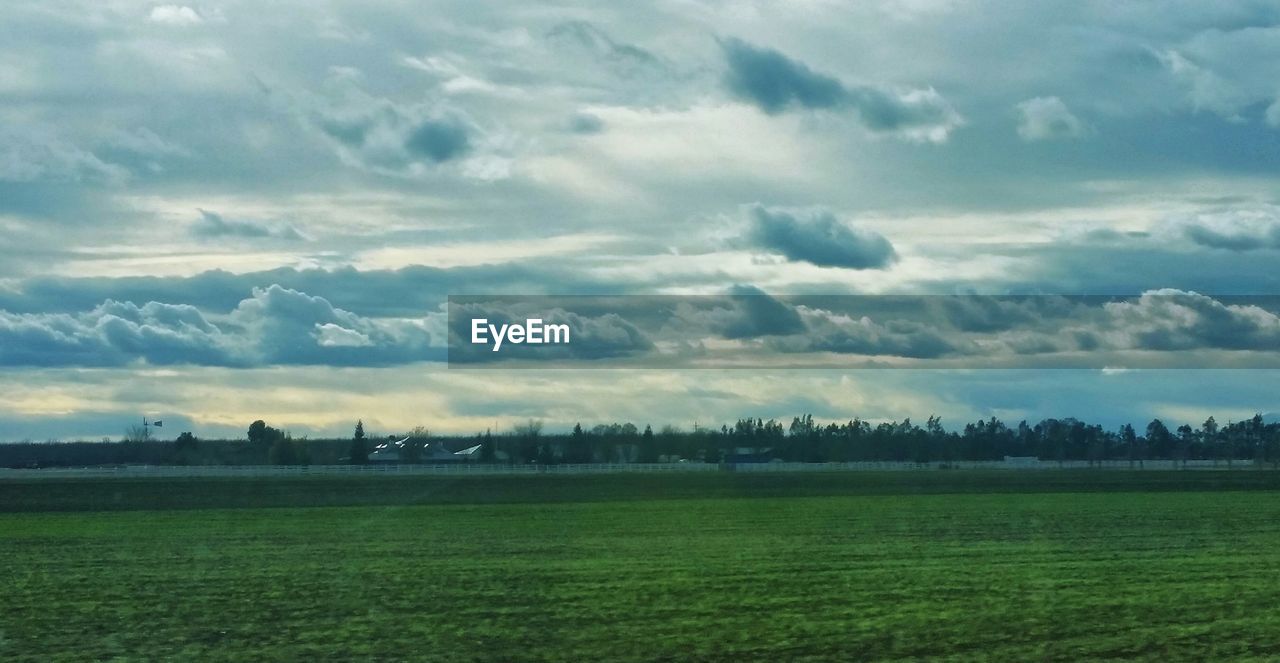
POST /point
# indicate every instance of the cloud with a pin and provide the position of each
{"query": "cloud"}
(841, 334)
(1273, 114)
(212, 224)
(35, 155)
(1238, 230)
(978, 313)
(1209, 237)
(452, 79)
(144, 142)
(331, 335)
(585, 123)
(776, 83)
(1171, 320)
(291, 327)
(176, 15)
(275, 326)
(625, 60)
(1227, 70)
(1047, 118)
(390, 137)
(439, 139)
(817, 238)
(1206, 89)
(406, 140)
(404, 292)
(747, 312)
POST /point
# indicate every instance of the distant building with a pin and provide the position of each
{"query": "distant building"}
(749, 455)
(387, 452)
(395, 451)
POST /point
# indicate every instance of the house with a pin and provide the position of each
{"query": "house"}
(398, 451)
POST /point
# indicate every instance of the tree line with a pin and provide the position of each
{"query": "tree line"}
(748, 440)
(808, 441)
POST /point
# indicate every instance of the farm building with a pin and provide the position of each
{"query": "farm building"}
(398, 451)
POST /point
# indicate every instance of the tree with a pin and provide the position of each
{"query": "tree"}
(184, 447)
(528, 434)
(1209, 438)
(1186, 440)
(136, 433)
(648, 450)
(1129, 438)
(579, 448)
(283, 452)
(487, 454)
(185, 441)
(414, 444)
(359, 452)
(1160, 439)
(258, 432)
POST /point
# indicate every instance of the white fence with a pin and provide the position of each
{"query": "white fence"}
(994, 465)
(475, 469)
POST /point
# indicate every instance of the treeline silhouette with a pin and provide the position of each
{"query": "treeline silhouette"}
(747, 440)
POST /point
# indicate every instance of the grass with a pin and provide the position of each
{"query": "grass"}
(824, 568)
(163, 494)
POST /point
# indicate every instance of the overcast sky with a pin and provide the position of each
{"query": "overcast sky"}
(220, 212)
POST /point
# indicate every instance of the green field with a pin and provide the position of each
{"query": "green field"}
(717, 567)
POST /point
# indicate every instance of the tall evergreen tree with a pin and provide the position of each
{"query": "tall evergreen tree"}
(648, 449)
(487, 454)
(359, 453)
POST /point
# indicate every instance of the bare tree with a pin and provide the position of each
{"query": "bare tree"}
(136, 433)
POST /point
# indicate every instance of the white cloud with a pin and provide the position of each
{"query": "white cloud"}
(275, 326)
(178, 15)
(1048, 118)
(329, 335)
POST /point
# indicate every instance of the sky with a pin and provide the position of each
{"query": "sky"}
(218, 212)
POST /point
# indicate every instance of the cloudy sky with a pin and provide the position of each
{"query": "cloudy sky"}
(219, 212)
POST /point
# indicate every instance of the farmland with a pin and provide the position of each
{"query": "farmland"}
(1002, 567)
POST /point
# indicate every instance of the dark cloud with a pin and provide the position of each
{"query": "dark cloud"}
(776, 83)
(818, 238)
(212, 224)
(1235, 240)
(863, 336)
(585, 123)
(747, 312)
(439, 139)
(980, 313)
(392, 138)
